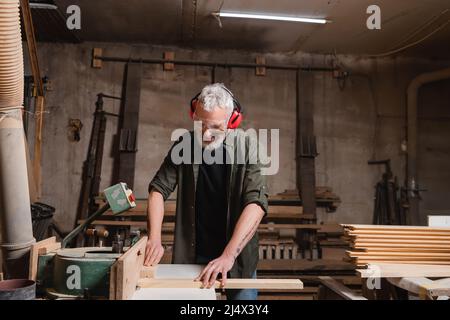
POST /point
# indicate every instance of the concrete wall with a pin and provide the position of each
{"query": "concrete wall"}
(355, 121)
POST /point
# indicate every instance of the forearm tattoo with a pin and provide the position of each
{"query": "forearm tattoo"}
(247, 237)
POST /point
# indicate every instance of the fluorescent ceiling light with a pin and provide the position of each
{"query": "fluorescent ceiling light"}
(269, 17)
(36, 5)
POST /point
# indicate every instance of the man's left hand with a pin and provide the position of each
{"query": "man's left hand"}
(221, 265)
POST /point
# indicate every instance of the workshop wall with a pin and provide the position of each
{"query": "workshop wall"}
(358, 119)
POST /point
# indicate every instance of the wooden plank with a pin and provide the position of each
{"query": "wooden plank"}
(32, 47)
(331, 228)
(410, 249)
(398, 254)
(363, 263)
(285, 284)
(97, 63)
(399, 245)
(397, 232)
(49, 248)
(39, 107)
(128, 268)
(393, 237)
(304, 265)
(389, 227)
(260, 71)
(437, 289)
(38, 144)
(34, 255)
(340, 289)
(148, 272)
(403, 241)
(410, 284)
(168, 66)
(112, 282)
(285, 210)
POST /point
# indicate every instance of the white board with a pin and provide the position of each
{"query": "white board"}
(174, 294)
(438, 221)
(178, 271)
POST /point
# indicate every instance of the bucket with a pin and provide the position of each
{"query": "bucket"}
(17, 289)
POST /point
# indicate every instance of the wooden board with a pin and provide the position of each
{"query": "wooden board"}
(300, 265)
(397, 244)
(398, 254)
(284, 284)
(398, 232)
(340, 289)
(364, 263)
(112, 282)
(410, 249)
(96, 52)
(392, 270)
(49, 248)
(404, 241)
(34, 255)
(394, 237)
(128, 268)
(389, 227)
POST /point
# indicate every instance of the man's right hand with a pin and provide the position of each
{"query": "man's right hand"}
(153, 252)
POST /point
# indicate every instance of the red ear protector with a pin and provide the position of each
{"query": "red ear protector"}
(236, 115)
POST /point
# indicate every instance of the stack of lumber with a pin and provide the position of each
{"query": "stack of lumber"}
(324, 198)
(397, 244)
(323, 193)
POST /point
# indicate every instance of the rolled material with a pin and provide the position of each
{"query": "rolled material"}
(11, 56)
(15, 212)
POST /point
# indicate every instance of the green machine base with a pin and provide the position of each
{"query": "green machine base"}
(77, 272)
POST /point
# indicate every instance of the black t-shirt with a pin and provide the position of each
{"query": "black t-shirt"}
(211, 210)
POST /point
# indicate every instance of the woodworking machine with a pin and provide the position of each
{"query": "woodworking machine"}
(82, 272)
(107, 273)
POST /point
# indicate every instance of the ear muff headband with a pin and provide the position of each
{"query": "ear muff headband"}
(236, 116)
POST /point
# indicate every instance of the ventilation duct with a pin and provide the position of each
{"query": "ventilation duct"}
(15, 214)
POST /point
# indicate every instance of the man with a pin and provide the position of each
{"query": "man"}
(219, 205)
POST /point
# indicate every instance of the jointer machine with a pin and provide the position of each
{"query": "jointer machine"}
(117, 272)
(62, 272)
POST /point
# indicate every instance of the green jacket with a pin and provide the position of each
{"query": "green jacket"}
(245, 185)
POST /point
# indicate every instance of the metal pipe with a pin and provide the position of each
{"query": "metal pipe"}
(109, 96)
(82, 226)
(214, 64)
(412, 105)
(15, 211)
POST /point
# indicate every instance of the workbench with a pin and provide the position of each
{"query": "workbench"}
(428, 282)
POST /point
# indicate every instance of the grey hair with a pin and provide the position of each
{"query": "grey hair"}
(215, 96)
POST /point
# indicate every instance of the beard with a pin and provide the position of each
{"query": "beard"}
(217, 140)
